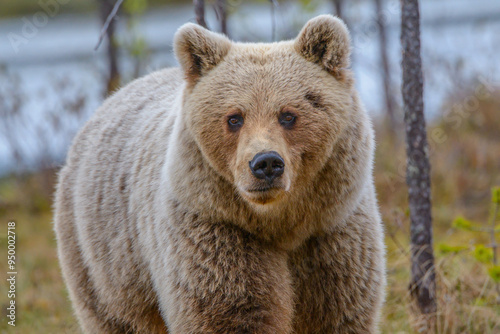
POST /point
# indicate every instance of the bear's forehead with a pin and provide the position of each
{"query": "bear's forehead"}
(266, 75)
(262, 54)
(265, 65)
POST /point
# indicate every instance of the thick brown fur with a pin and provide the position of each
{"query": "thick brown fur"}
(158, 223)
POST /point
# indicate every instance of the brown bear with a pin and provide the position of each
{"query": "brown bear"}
(232, 195)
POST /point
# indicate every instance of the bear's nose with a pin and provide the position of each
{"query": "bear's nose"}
(267, 165)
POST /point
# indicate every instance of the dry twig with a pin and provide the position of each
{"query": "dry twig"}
(105, 27)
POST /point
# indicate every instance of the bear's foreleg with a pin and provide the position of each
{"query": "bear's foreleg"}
(339, 280)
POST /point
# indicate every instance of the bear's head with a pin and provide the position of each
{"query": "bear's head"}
(267, 117)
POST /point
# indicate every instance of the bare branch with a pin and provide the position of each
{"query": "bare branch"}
(105, 27)
(384, 60)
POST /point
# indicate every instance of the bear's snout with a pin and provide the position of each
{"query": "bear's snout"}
(267, 165)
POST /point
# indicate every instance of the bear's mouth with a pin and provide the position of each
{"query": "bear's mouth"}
(263, 189)
(260, 192)
(263, 194)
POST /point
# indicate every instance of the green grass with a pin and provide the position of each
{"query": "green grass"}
(42, 304)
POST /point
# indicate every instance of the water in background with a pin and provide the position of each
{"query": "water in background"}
(53, 70)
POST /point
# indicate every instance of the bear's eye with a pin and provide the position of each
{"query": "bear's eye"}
(235, 122)
(287, 120)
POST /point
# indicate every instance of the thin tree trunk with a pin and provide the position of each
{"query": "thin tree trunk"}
(106, 6)
(274, 4)
(338, 4)
(340, 13)
(422, 285)
(199, 10)
(384, 60)
(222, 15)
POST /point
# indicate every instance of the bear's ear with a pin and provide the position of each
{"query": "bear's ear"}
(325, 40)
(198, 50)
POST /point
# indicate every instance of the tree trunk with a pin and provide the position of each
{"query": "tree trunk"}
(384, 62)
(222, 15)
(199, 10)
(106, 6)
(338, 8)
(422, 285)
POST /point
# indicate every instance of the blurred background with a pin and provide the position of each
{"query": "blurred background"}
(53, 76)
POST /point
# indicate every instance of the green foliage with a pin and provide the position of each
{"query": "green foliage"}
(483, 254)
(447, 249)
(462, 224)
(495, 195)
(309, 5)
(494, 273)
(137, 47)
(135, 6)
(480, 302)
